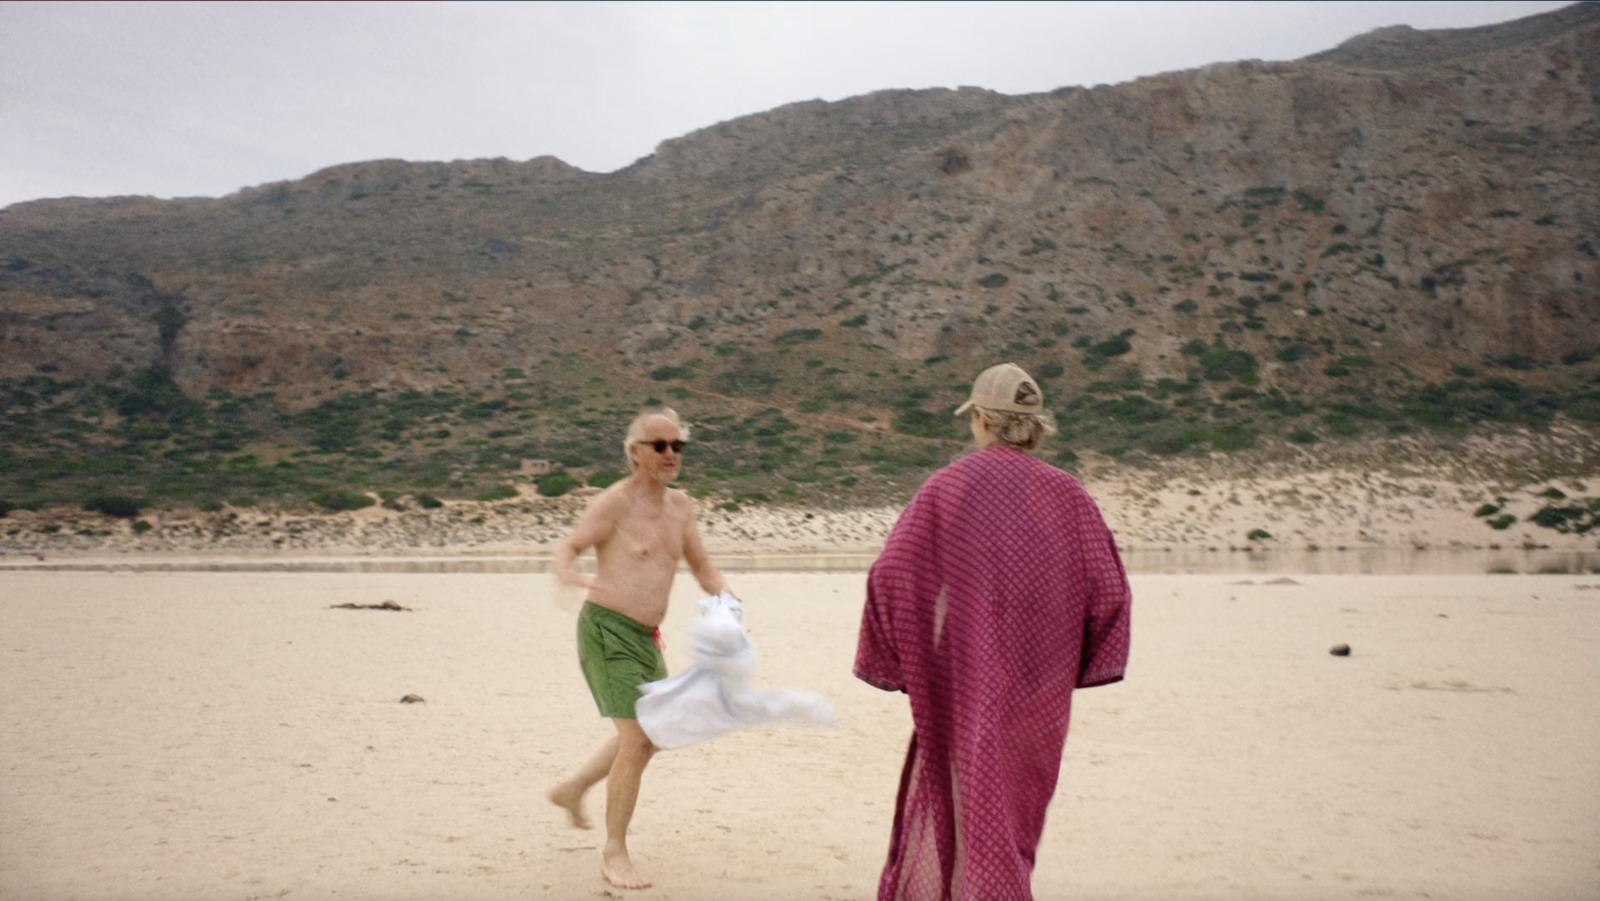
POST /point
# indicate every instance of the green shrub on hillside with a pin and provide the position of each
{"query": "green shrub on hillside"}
(1170, 441)
(1459, 403)
(500, 492)
(1568, 519)
(1114, 346)
(749, 381)
(1221, 365)
(797, 336)
(556, 484)
(1263, 196)
(1132, 408)
(919, 422)
(1290, 353)
(1232, 438)
(1518, 361)
(1341, 425)
(114, 505)
(153, 393)
(341, 499)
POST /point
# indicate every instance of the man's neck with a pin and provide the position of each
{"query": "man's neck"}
(647, 488)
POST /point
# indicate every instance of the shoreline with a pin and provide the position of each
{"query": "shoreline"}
(1384, 561)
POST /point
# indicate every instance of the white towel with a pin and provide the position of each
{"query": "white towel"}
(714, 695)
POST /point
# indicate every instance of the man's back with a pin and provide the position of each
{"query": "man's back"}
(1013, 554)
(998, 592)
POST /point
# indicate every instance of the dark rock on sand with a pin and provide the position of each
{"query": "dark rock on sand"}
(386, 605)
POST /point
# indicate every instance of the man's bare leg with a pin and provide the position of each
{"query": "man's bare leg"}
(569, 794)
(634, 751)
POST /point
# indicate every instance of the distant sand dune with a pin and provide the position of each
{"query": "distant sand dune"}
(1198, 506)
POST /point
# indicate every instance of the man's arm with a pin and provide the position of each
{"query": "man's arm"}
(694, 553)
(596, 524)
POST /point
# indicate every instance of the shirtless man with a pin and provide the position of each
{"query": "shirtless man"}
(639, 529)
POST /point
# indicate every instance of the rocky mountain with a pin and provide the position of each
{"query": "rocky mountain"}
(1398, 233)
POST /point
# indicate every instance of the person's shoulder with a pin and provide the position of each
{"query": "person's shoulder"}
(969, 465)
(1053, 472)
(612, 497)
(1066, 489)
(1057, 477)
(679, 501)
(993, 459)
(1038, 472)
(947, 474)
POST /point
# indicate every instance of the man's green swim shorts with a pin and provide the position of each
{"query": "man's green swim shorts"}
(618, 654)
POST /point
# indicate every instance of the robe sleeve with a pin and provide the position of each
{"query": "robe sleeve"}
(891, 594)
(877, 658)
(1107, 622)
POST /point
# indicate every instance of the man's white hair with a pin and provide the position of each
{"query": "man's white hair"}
(636, 429)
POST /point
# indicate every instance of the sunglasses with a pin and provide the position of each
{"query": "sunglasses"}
(661, 445)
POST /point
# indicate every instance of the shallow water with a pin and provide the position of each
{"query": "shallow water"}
(1355, 561)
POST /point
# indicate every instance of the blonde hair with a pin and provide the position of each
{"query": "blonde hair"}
(1019, 430)
(636, 428)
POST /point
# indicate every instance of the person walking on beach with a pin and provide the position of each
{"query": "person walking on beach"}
(998, 592)
(639, 529)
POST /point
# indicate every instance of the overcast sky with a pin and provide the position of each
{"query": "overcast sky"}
(201, 99)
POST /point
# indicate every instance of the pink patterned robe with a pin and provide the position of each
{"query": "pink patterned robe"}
(999, 591)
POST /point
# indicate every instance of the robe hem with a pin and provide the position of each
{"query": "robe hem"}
(1096, 683)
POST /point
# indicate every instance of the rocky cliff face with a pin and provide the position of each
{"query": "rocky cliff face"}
(1405, 209)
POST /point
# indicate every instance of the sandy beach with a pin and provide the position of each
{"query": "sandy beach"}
(177, 735)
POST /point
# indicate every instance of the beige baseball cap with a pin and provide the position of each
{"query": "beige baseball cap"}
(1006, 387)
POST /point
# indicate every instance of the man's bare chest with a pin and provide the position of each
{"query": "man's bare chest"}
(652, 539)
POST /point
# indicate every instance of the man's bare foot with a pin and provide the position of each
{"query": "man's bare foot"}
(618, 869)
(569, 798)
